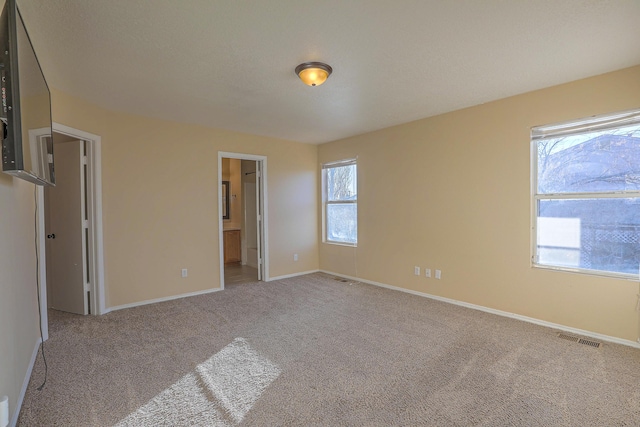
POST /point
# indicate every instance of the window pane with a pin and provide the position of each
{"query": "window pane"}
(592, 162)
(342, 221)
(342, 183)
(594, 234)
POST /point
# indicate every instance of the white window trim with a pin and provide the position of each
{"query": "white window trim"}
(326, 203)
(575, 127)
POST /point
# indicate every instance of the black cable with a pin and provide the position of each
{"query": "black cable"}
(46, 368)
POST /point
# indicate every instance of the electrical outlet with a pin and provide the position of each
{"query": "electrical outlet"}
(427, 272)
(295, 257)
(416, 271)
(184, 272)
(438, 274)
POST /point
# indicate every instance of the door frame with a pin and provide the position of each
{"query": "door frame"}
(262, 190)
(94, 205)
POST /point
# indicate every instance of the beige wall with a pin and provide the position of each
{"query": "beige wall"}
(19, 332)
(160, 205)
(452, 192)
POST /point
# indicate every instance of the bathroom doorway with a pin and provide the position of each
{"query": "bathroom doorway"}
(242, 221)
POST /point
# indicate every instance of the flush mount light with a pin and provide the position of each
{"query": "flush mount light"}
(313, 73)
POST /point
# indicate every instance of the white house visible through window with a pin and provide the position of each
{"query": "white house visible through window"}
(340, 195)
(586, 195)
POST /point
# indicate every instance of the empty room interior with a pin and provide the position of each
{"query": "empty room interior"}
(324, 213)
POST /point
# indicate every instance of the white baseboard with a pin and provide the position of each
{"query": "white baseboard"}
(288, 276)
(153, 301)
(535, 321)
(192, 294)
(25, 384)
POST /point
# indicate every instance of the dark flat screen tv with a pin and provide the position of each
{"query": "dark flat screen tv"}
(25, 112)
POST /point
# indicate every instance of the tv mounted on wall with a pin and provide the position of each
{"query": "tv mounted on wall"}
(25, 112)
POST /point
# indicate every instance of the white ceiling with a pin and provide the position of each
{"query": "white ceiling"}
(229, 63)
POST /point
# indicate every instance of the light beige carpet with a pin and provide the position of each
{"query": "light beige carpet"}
(315, 351)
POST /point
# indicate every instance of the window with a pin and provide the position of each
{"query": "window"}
(340, 196)
(586, 195)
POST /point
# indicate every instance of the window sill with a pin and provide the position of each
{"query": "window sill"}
(351, 245)
(597, 273)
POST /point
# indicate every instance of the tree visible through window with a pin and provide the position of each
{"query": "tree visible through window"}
(587, 194)
(340, 191)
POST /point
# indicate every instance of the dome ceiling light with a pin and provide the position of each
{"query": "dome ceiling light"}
(313, 73)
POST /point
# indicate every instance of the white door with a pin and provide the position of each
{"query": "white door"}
(65, 231)
(250, 230)
(259, 221)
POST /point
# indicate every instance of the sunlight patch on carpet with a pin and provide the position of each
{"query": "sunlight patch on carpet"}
(237, 375)
(221, 391)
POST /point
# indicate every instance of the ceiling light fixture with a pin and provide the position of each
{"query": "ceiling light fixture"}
(313, 73)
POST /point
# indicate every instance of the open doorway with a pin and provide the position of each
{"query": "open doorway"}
(71, 270)
(242, 223)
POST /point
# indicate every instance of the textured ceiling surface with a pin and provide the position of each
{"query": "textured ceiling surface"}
(229, 64)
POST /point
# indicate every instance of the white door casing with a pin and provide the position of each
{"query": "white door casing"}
(94, 210)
